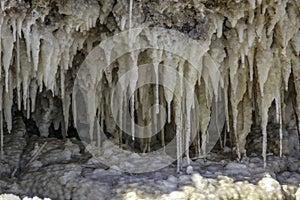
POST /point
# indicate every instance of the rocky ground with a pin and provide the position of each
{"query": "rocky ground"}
(61, 169)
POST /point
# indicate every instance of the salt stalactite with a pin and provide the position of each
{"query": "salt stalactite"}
(296, 43)
(46, 54)
(226, 102)
(2, 5)
(99, 131)
(33, 93)
(7, 104)
(162, 121)
(1, 22)
(132, 116)
(250, 59)
(277, 14)
(1, 99)
(25, 73)
(252, 3)
(296, 73)
(124, 64)
(188, 134)
(279, 120)
(259, 2)
(260, 21)
(130, 13)
(35, 47)
(245, 121)
(65, 100)
(272, 86)
(130, 22)
(181, 79)
(238, 90)
(156, 58)
(121, 120)
(28, 107)
(237, 82)
(18, 73)
(204, 100)
(169, 111)
(169, 61)
(132, 85)
(91, 110)
(29, 21)
(8, 45)
(240, 29)
(1, 135)
(65, 43)
(178, 122)
(192, 78)
(123, 23)
(14, 27)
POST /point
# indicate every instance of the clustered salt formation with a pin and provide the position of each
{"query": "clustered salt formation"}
(255, 46)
